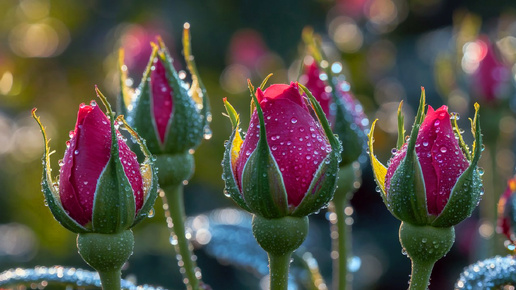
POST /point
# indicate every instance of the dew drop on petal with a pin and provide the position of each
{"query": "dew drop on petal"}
(293, 120)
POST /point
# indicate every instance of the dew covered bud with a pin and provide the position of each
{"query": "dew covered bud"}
(343, 111)
(433, 178)
(288, 161)
(102, 187)
(169, 113)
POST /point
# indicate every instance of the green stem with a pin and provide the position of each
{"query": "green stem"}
(421, 271)
(341, 244)
(110, 280)
(177, 213)
(279, 266)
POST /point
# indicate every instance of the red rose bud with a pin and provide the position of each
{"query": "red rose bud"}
(288, 161)
(491, 80)
(507, 210)
(343, 111)
(169, 114)
(433, 179)
(102, 187)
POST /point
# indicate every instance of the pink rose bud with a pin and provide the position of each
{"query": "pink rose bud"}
(102, 188)
(440, 157)
(86, 156)
(507, 210)
(433, 179)
(170, 114)
(343, 111)
(297, 158)
(491, 80)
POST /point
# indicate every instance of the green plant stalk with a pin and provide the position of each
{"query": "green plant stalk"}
(279, 266)
(420, 276)
(106, 253)
(341, 231)
(110, 280)
(174, 194)
(341, 244)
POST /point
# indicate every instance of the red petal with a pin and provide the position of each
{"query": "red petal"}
(162, 102)
(317, 88)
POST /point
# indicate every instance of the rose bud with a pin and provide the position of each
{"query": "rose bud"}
(433, 179)
(343, 111)
(102, 187)
(507, 211)
(288, 161)
(169, 114)
(491, 80)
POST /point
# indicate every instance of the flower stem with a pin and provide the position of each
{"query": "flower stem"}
(110, 280)
(279, 266)
(175, 215)
(349, 180)
(341, 244)
(421, 271)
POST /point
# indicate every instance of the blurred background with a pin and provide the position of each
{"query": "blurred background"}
(53, 52)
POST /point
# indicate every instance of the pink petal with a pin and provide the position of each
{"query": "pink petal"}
(317, 88)
(162, 102)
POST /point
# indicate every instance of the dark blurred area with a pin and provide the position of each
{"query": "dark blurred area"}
(53, 52)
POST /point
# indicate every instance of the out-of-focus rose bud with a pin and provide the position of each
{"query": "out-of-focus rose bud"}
(171, 115)
(507, 211)
(491, 80)
(433, 178)
(288, 162)
(102, 187)
(343, 111)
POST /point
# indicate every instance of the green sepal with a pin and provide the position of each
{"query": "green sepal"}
(324, 183)
(186, 127)
(190, 115)
(228, 173)
(114, 203)
(50, 192)
(149, 173)
(406, 198)
(262, 182)
(139, 113)
(401, 129)
(467, 191)
(350, 134)
(197, 89)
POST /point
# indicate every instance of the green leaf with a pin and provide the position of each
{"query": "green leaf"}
(50, 192)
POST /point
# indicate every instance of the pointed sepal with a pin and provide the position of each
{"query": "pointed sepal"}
(324, 182)
(149, 174)
(401, 128)
(50, 188)
(262, 182)
(114, 204)
(379, 170)
(231, 154)
(467, 191)
(406, 196)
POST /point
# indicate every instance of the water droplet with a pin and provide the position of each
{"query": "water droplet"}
(151, 213)
(444, 149)
(437, 123)
(425, 143)
(293, 120)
